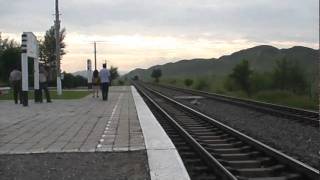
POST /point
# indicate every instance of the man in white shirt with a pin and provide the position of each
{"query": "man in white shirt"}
(15, 81)
(104, 80)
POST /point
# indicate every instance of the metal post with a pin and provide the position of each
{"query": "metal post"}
(57, 35)
(25, 79)
(24, 69)
(95, 56)
(37, 93)
(89, 73)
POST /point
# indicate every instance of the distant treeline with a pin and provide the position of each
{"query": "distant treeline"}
(286, 84)
(71, 81)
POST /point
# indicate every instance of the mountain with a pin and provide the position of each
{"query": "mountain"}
(80, 73)
(261, 58)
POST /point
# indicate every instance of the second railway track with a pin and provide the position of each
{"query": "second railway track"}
(300, 115)
(212, 150)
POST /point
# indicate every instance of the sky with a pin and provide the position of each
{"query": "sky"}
(143, 33)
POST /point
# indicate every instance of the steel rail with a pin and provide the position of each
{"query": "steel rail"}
(300, 167)
(308, 116)
(210, 160)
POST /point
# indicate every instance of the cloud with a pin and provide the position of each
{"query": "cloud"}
(145, 32)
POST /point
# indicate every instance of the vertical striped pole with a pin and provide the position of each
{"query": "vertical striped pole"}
(24, 70)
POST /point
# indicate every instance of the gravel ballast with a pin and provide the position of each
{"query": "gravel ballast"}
(299, 141)
(75, 166)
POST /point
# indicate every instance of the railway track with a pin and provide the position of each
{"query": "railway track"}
(212, 150)
(301, 115)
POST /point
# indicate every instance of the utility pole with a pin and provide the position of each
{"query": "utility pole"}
(57, 34)
(95, 55)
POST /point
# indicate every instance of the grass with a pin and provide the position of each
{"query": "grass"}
(287, 98)
(53, 94)
(215, 85)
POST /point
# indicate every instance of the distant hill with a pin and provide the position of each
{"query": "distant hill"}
(261, 58)
(80, 73)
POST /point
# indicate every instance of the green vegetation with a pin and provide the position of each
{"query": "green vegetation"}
(262, 59)
(113, 73)
(47, 47)
(53, 94)
(188, 82)
(286, 84)
(241, 76)
(287, 98)
(156, 74)
(71, 81)
(9, 58)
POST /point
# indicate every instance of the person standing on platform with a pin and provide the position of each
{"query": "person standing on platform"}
(15, 81)
(95, 83)
(43, 74)
(104, 80)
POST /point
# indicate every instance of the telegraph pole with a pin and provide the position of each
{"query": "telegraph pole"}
(95, 55)
(57, 34)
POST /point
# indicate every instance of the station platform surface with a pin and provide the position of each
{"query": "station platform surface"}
(122, 124)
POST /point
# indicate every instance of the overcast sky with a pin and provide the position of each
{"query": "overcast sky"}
(142, 33)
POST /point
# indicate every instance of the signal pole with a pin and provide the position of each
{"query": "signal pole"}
(95, 55)
(57, 36)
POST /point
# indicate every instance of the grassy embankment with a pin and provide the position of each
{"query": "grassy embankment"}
(65, 95)
(216, 85)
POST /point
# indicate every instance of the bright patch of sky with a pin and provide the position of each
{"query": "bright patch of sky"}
(142, 33)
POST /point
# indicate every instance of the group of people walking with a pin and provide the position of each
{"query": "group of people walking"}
(101, 80)
(15, 80)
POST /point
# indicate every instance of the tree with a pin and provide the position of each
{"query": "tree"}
(188, 82)
(135, 78)
(113, 73)
(289, 76)
(202, 85)
(9, 59)
(241, 75)
(7, 44)
(71, 81)
(47, 48)
(156, 74)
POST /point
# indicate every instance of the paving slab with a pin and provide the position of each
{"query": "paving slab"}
(122, 127)
(84, 125)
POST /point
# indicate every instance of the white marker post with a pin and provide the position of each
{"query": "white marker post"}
(89, 73)
(29, 48)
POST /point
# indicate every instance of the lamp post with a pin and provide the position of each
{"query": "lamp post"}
(57, 37)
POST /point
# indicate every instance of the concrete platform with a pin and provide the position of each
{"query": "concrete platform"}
(122, 124)
(85, 125)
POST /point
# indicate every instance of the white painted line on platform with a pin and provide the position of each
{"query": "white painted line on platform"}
(164, 160)
(108, 123)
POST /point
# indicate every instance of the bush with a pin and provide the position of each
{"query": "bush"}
(120, 82)
(241, 75)
(288, 75)
(202, 84)
(188, 82)
(173, 81)
(156, 74)
(229, 84)
(260, 81)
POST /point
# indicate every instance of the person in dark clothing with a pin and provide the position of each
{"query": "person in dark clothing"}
(104, 80)
(15, 81)
(95, 83)
(43, 83)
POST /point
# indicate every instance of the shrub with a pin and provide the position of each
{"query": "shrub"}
(202, 84)
(120, 82)
(188, 82)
